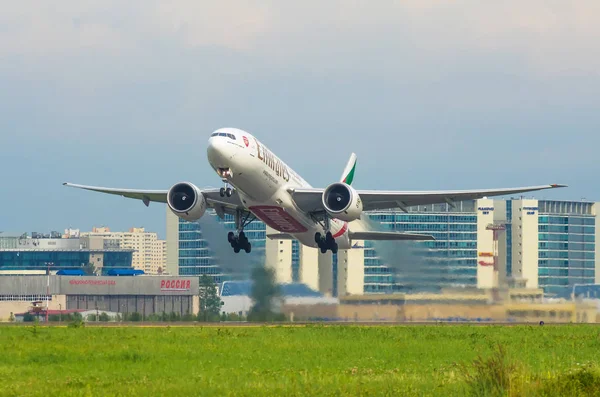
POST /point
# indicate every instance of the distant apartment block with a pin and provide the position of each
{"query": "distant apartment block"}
(149, 253)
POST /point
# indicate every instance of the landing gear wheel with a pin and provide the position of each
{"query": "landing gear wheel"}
(238, 239)
(329, 237)
(323, 249)
(334, 248)
(318, 238)
(228, 192)
(222, 192)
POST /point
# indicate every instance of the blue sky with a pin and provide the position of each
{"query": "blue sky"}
(429, 94)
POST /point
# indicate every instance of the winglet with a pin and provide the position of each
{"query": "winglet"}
(348, 174)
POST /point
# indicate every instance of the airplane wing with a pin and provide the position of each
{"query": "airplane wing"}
(159, 196)
(367, 236)
(389, 236)
(220, 204)
(309, 200)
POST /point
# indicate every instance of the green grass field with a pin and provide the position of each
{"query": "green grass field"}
(306, 360)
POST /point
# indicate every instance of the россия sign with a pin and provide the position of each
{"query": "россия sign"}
(175, 285)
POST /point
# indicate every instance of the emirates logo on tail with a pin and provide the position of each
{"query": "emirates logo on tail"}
(246, 141)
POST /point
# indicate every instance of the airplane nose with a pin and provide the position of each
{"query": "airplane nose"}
(219, 152)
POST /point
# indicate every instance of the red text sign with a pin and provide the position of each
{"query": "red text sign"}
(278, 219)
(92, 282)
(175, 285)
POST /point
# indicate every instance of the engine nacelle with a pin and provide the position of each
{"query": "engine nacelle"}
(342, 202)
(186, 201)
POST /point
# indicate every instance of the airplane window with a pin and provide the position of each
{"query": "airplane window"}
(214, 134)
(222, 134)
(231, 136)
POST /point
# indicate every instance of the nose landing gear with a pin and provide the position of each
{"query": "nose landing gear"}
(225, 173)
(226, 191)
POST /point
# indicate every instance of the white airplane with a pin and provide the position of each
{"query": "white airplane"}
(264, 187)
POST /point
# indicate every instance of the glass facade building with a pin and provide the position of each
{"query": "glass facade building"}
(13, 261)
(564, 248)
(449, 261)
(567, 250)
(203, 248)
(295, 261)
(32, 254)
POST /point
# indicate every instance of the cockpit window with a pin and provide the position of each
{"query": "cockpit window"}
(230, 136)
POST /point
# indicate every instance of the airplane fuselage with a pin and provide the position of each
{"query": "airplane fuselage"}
(262, 180)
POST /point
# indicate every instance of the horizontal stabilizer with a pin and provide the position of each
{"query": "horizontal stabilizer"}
(280, 236)
(389, 236)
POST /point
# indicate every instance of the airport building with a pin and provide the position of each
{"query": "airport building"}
(483, 243)
(149, 252)
(552, 244)
(140, 294)
(39, 253)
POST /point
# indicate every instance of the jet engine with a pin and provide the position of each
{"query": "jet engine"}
(186, 201)
(342, 202)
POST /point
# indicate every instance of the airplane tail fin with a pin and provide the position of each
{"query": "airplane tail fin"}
(348, 174)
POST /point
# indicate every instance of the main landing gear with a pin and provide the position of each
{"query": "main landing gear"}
(238, 240)
(326, 243)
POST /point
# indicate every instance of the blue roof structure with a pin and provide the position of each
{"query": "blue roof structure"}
(124, 272)
(243, 288)
(70, 272)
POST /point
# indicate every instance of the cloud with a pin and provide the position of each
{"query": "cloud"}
(427, 90)
(39, 29)
(548, 33)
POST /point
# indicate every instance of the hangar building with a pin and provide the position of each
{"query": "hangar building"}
(142, 294)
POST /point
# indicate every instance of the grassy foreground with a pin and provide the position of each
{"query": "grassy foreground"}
(307, 360)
